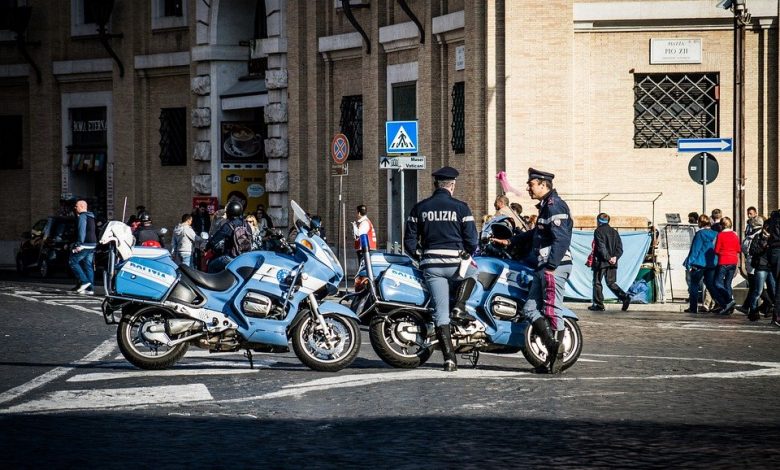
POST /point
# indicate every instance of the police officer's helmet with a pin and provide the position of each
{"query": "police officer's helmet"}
(234, 209)
(500, 227)
(145, 218)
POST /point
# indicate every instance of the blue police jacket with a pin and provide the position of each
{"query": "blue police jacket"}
(441, 226)
(551, 236)
(702, 253)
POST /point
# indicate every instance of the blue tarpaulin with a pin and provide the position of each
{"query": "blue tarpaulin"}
(580, 285)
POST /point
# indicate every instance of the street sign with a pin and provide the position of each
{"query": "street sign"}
(402, 163)
(339, 148)
(705, 145)
(401, 137)
(696, 168)
(339, 170)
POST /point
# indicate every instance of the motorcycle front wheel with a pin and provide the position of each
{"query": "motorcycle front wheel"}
(536, 353)
(398, 338)
(140, 347)
(311, 346)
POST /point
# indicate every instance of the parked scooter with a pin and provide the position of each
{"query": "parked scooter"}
(392, 298)
(260, 302)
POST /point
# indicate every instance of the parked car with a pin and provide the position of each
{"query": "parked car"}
(46, 247)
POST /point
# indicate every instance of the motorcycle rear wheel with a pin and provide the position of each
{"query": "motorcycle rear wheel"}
(391, 338)
(148, 355)
(536, 354)
(311, 347)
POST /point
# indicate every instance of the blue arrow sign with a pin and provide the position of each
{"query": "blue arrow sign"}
(401, 137)
(705, 145)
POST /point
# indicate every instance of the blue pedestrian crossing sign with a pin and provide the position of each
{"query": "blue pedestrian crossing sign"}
(401, 137)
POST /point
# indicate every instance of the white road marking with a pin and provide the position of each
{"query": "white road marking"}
(136, 374)
(114, 398)
(763, 369)
(96, 355)
(699, 326)
(21, 294)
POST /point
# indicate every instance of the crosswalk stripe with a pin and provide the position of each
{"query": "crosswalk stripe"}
(114, 398)
(179, 372)
(98, 353)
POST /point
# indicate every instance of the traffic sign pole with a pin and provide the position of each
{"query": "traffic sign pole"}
(704, 159)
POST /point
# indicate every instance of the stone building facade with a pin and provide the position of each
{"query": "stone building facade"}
(149, 114)
(572, 87)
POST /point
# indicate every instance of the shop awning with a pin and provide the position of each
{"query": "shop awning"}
(245, 94)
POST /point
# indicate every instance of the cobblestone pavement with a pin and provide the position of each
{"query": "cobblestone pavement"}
(652, 389)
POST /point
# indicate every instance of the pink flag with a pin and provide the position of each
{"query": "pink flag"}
(505, 186)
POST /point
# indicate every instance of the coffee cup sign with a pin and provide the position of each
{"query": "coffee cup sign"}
(242, 142)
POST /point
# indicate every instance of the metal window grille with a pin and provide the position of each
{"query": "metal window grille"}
(11, 137)
(173, 136)
(672, 106)
(458, 125)
(352, 124)
(172, 8)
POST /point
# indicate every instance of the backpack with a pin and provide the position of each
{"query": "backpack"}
(242, 240)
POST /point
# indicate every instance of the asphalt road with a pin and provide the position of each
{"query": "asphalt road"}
(652, 389)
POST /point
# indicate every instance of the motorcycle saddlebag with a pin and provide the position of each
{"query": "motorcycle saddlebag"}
(403, 284)
(147, 278)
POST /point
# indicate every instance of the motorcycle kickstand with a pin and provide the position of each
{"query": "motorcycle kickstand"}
(248, 355)
(472, 358)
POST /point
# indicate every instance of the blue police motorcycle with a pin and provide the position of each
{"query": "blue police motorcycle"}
(392, 298)
(260, 302)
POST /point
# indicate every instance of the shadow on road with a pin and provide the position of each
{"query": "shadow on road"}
(120, 439)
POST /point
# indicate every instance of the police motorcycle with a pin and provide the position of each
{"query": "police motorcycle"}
(392, 298)
(260, 302)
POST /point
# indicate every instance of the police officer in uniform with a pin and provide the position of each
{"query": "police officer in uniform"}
(550, 255)
(442, 228)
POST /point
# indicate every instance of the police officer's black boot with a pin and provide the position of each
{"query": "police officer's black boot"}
(556, 362)
(445, 340)
(459, 314)
(542, 328)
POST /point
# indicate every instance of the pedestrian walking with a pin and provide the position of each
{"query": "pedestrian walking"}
(716, 216)
(758, 251)
(701, 263)
(184, 240)
(728, 248)
(83, 254)
(257, 233)
(772, 228)
(362, 225)
(201, 220)
(693, 218)
(607, 250)
(752, 213)
(441, 233)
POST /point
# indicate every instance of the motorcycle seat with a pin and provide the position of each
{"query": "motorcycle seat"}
(220, 281)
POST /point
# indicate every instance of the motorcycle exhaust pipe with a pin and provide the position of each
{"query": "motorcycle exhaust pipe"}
(176, 326)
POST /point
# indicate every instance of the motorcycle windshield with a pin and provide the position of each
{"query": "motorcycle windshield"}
(311, 244)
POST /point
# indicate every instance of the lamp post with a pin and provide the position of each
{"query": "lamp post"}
(741, 18)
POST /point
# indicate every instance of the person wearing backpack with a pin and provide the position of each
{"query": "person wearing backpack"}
(772, 227)
(233, 238)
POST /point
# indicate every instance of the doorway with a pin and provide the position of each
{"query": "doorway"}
(403, 184)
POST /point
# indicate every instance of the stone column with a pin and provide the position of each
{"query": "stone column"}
(276, 149)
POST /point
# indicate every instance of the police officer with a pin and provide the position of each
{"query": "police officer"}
(442, 228)
(550, 255)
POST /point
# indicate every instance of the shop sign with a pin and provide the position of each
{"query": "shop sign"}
(675, 51)
(245, 186)
(242, 142)
(211, 203)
